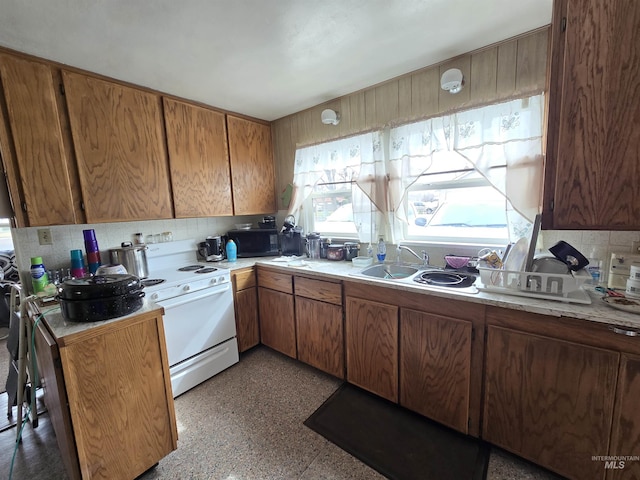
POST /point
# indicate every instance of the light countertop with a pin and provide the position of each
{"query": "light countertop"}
(597, 311)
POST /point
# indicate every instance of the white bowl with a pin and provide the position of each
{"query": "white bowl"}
(361, 262)
(243, 226)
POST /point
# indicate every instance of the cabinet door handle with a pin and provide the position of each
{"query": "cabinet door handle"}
(624, 331)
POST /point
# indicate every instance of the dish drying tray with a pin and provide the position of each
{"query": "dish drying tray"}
(549, 286)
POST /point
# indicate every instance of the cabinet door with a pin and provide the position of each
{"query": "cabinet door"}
(435, 367)
(625, 436)
(277, 324)
(198, 159)
(44, 186)
(120, 398)
(549, 400)
(120, 149)
(319, 334)
(252, 167)
(592, 176)
(371, 339)
(247, 326)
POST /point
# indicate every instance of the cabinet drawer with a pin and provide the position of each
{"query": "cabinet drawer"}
(281, 282)
(318, 290)
(244, 279)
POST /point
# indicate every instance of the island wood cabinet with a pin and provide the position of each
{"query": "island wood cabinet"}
(119, 142)
(319, 324)
(108, 393)
(35, 144)
(252, 166)
(559, 391)
(246, 308)
(277, 314)
(198, 159)
(592, 180)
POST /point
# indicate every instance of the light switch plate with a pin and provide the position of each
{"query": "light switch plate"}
(44, 236)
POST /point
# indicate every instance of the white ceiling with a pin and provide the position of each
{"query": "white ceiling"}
(262, 58)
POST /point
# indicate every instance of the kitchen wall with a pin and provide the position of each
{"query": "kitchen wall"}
(517, 66)
(110, 235)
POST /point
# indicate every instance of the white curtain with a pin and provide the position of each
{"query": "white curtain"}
(484, 138)
(359, 159)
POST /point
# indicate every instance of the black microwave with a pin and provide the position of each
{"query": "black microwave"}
(255, 242)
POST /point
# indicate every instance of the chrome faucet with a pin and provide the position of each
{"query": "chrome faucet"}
(424, 258)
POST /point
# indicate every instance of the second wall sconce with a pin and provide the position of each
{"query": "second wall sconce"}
(452, 80)
(330, 117)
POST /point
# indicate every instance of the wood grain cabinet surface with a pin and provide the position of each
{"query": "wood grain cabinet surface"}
(371, 339)
(592, 179)
(277, 313)
(435, 367)
(252, 166)
(119, 143)
(122, 419)
(38, 160)
(319, 324)
(198, 159)
(246, 308)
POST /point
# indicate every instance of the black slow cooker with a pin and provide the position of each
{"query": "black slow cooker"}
(101, 297)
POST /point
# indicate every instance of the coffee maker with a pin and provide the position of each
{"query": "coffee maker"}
(212, 249)
(292, 241)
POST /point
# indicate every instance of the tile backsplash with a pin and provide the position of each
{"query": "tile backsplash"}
(593, 244)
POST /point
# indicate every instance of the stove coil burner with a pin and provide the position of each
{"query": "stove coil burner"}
(150, 282)
(190, 268)
(206, 270)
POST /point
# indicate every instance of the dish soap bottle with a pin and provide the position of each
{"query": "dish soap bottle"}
(39, 277)
(232, 251)
(382, 250)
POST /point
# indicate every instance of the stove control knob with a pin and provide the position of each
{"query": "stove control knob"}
(186, 288)
(213, 281)
(154, 296)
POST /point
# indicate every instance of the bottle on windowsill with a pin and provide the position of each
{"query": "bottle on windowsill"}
(382, 250)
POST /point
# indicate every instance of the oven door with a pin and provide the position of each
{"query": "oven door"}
(198, 321)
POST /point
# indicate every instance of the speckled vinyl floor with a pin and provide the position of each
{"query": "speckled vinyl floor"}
(243, 424)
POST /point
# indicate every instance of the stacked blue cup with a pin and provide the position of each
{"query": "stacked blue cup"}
(77, 264)
(93, 252)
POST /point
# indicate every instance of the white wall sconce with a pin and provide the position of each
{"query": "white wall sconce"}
(330, 117)
(452, 80)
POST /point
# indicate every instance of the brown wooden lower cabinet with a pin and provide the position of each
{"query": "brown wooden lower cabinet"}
(246, 308)
(435, 367)
(109, 396)
(549, 400)
(277, 324)
(371, 339)
(625, 435)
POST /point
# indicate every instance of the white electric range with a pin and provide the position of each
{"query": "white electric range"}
(199, 320)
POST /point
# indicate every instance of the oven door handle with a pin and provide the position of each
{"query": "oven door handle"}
(190, 297)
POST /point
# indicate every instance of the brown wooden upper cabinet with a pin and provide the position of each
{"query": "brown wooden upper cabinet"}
(33, 146)
(592, 174)
(252, 167)
(120, 150)
(198, 160)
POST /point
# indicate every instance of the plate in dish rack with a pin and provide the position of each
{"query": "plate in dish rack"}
(624, 304)
(517, 256)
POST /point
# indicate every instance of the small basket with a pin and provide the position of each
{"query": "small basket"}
(548, 284)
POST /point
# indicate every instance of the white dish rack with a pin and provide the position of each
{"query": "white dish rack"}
(551, 286)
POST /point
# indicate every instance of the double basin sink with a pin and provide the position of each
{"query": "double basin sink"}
(426, 276)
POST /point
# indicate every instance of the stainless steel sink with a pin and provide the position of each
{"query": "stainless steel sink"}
(389, 272)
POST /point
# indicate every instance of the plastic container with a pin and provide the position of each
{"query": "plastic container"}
(232, 251)
(77, 264)
(595, 268)
(634, 272)
(382, 250)
(633, 288)
(39, 277)
(361, 262)
(93, 252)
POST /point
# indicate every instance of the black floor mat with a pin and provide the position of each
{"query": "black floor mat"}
(395, 441)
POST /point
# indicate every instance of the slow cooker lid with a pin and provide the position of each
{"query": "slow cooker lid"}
(99, 286)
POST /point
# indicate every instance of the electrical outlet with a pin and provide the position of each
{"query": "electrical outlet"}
(44, 236)
(635, 247)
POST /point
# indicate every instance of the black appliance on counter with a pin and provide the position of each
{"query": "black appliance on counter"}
(293, 241)
(255, 242)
